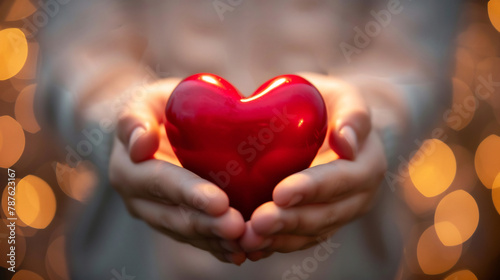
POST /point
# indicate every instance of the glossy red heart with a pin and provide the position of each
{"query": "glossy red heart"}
(245, 145)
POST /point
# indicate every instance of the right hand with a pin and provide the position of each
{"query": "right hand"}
(156, 189)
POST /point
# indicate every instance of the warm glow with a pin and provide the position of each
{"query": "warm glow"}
(461, 275)
(465, 179)
(433, 257)
(210, 79)
(324, 157)
(456, 218)
(487, 160)
(26, 275)
(20, 9)
(12, 141)
(13, 52)
(433, 168)
(35, 202)
(495, 193)
(463, 107)
(55, 260)
(272, 86)
(28, 72)
(79, 182)
(416, 201)
(24, 107)
(165, 151)
(494, 13)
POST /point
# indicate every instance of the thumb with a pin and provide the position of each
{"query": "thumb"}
(351, 124)
(139, 125)
(138, 130)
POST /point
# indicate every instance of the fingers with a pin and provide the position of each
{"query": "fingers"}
(307, 220)
(351, 124)
(138, 130)
(281, 244)
(258, 255)
(216, 235)
(236, 258)
(349, 115)
(189, 223)
(322, 183)
(329, 182)
(162, 181)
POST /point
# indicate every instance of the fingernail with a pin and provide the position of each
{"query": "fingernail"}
(350, 136)
(230, 258)
(138, 132)
(277, 227)
(295, 200)
(266, 243)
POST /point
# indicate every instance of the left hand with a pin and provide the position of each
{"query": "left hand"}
(311, 205)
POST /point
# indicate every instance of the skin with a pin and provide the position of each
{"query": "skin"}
(306, 206)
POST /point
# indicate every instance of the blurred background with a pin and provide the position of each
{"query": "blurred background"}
(451, 185)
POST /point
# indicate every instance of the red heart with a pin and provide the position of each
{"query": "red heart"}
(245, 145)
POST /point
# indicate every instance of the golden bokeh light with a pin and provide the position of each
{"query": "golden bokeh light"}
(26, 275)
(433, 257)
(461, 275)
(28, 72)
(13, 52)
(79, 182)
(495, 193)
(5, 246)
(433, 168)
(463, 106)
(20, 9)
(494, 13)
(19, 84)
(416, 201)
(24, 109)
(35, 202)
(12, 143)
(55, 260)
(487, 160)
(456, 218)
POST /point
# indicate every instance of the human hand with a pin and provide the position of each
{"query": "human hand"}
(171, 199)
(313, 204)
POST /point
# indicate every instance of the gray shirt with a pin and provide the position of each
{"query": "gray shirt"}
(247, 42)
